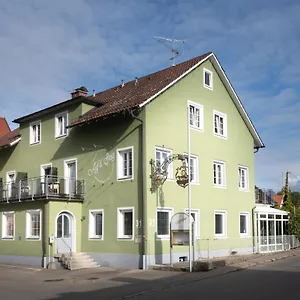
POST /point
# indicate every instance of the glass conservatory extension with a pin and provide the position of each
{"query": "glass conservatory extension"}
(271, 229)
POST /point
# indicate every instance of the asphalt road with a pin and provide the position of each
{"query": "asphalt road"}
(276, 280)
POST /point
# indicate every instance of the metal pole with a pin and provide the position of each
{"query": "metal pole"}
(189, 188)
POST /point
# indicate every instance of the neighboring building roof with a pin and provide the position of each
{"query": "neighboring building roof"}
(278, 199)
(138, 93)
(61, 105)
(4, 128)
(10, 139)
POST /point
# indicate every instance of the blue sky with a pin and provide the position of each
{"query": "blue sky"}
(47, 48)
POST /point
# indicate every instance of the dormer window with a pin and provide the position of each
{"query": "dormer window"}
(61, 123)
(35, 133)
(208, 79)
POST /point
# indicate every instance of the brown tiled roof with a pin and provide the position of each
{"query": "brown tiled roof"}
(4, 128)
(278, 199)
(131, 95)
(9, 138)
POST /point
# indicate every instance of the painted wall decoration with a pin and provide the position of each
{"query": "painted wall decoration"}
(102, 166)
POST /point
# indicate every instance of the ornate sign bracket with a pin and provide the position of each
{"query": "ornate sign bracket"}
(159, 172)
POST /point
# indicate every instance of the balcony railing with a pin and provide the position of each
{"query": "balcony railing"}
(47, 187)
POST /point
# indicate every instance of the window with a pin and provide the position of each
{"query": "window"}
(11, 189)
(219, 174)
(195, 213)
(163, 218)
(243, 178)
(35, 133)
(125, 223)
(196, 115)
(125, 163)
(160, 155)
(220, 124)
(220, 224)
(208, 79)
(61, 123)
(194, 172)
(8, 225)
(33, 224)
(244, 224)
(96, 222)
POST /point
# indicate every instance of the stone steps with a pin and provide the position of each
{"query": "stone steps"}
(76, 260)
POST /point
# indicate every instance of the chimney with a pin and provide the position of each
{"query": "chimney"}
(80, 92)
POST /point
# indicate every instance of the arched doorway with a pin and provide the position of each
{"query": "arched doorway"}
(65, 233)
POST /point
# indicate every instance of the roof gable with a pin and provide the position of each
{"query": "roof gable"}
(138, 94)
(10, 139)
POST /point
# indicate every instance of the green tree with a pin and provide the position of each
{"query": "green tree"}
(294, 212)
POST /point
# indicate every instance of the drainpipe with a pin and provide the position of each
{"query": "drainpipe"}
(45, 235)
(144, 176)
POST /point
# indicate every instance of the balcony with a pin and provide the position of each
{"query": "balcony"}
(48, 187)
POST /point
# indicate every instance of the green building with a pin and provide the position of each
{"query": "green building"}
(75, 177)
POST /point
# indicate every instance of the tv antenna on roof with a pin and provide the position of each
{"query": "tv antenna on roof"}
(169, 43)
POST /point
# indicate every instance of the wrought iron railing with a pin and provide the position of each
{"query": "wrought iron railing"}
(43, 187)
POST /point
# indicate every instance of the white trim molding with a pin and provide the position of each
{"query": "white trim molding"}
(196, 212)
(5, 235)
(197, 119)
(222, 234)
(38, 139)
(121, 234)
(243, 178)
(170, 211)
(125, 163)
(29, 228)
(92, 224)
(210, 85)
(246, 230)
(65, 120)
(161, 159)
(219, 174)
(219, 124)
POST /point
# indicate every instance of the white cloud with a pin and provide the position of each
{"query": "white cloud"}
(50, 47)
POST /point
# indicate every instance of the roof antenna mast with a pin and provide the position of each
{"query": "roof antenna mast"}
(169, 43)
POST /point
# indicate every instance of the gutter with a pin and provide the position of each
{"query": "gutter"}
(144, 176)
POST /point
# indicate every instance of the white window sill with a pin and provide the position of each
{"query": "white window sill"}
(224, 137)
(60, 136)
(125, 238)
(221, 237)
(96, 238)
(125, 178)
(209, 87)
(196, 128)
(34, 144)
(162, 237)
(8, 238)
(220, 186)
(194, 183)
(33, 238)
(244, 190)
(244, 236)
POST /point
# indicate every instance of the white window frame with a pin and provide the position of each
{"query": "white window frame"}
(246, 178)
(56, 123)
(120, 222)
(31, 137)
(29, 213)
(120, 163)
(169, 152)
(5, 214)
(170, 211)
(223, 174)
(201, 114)
(247, 233)
(92, 224)
(9, 184)
(196, 173)
(223, 213)
(196, 221)
(211, 85)
(224, 116)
